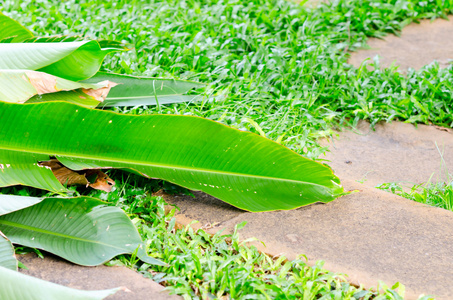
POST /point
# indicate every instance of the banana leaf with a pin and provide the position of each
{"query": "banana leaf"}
(125, 91)
(10, 203)
(19, 86)
(17, 286)
(240, 168)
(82, 230)
(7, 257)
(69, 60)
(133, 90)
(12, 29)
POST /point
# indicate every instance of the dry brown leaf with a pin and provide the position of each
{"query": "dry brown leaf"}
(42, 82)
(442, 128)
(69, 177)
(100, 94)
(45, 83)
(103, 182)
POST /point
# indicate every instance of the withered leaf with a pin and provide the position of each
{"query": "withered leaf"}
(43, 83)
(69, 177)
(101, 93)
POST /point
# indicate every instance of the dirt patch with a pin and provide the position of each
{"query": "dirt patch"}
(418, 45)
(55, 270)
(370, 235)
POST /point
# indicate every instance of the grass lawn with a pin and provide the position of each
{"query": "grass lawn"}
(272, 67)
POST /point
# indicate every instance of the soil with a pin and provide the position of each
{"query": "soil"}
(418, 45)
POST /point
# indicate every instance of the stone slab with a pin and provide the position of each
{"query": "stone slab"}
(393, 152)
(56, 270)
(419, 45)
(370, 235)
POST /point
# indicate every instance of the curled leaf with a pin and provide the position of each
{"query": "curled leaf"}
(65, 176)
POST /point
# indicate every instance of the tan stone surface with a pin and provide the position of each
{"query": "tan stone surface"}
(393, 152)
(419, 45)
(370, 235)
(61, 272)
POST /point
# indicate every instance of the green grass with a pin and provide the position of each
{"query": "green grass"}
(433, 194)
(271, 65)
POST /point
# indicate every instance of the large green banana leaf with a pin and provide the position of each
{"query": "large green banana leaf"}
(19, 86)
(241, 168)
(82, 230)
(17, 286)
(69, 60)
(12, 29)
(131, 90)
(7, 258)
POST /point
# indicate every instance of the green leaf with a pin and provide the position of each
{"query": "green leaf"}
(69, 60)
(22, 168)
(19, 86)
(17, 286)
(78, 96)
(7, 258)
(11, 28)
(241, 168)
(10, 203)
(132, 91)
(82, 230)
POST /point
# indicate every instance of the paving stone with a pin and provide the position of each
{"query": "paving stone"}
(393, 152)
(370, 235)
(56, 270)
(419, 45)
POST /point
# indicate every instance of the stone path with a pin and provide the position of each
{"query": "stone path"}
(55, 270)
(370, 235)
(394, 152)
(419, 45)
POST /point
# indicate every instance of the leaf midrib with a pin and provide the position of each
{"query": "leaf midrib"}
(48, 232)
(147, 96)
(157, 165)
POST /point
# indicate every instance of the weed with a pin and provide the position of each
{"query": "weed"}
(434, 194)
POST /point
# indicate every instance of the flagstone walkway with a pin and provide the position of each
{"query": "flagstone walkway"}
(419, 45)
(55, 270)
